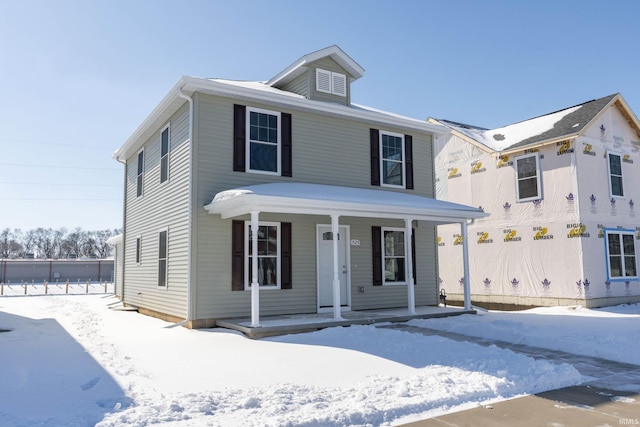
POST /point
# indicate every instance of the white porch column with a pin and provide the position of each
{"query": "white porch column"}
(408, 231)
(255, 286)
(336, 268)
(465, 263)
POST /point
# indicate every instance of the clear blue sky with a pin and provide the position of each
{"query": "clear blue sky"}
(78, 77)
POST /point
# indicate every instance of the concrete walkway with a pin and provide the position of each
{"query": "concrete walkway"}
(610, 395)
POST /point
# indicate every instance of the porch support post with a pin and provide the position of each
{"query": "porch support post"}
(465, 263)
(255, 286)
(336, 266)
(408, 231)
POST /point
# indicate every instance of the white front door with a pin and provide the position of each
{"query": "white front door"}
(325, 266)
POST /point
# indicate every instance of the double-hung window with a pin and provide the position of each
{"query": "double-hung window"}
(392, 159)
(263, 144)
(528, 177)
(614, 163)
(162, 257)
(268, 255)
(140, 174)
(621, 254)
(164, 155)
(394, 256)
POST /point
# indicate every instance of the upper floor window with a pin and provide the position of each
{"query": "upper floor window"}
(263, 144)
(528, 177)
(164, 154)
(261, 141)
(140, 173)
(331, 82)
(392, 158)
(614, 163)
(621, 254)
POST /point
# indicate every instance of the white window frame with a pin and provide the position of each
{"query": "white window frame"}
(383, 159)
(138, 253)
(385, 256)
(140, 173)
(249, 141)
(247, 258)
(333, 79)
(609, 174)
(538, 196)
(166, 259)
(620, 232)
(167, 128)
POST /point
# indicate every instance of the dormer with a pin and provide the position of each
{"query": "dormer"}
(325, 75)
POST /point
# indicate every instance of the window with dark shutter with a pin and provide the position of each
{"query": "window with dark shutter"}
(237, 256)
(376, 244)
(408, 154)
(374, 136)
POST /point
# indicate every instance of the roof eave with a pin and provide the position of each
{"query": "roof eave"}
(511, 150)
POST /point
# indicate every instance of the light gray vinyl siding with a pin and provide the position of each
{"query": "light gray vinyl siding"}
(301, 84)
(163, 205)
(329, 65)
(326, 150)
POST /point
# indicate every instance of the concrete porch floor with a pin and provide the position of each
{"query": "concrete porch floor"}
(297, 323)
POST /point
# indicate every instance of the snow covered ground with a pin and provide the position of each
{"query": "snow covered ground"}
(70, 360)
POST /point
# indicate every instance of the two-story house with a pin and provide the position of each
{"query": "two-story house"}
(561, 190)
(279, 197)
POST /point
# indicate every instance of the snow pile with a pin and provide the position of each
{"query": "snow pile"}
(69, 360)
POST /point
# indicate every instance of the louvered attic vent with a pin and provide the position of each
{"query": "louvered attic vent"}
(331, 82)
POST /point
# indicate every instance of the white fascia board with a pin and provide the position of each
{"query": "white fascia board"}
(244, 204)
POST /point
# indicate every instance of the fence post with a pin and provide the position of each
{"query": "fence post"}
(67, 289)
(2, 288)
(87, 291)
(46, 287)
(25, 285)
(105, 286)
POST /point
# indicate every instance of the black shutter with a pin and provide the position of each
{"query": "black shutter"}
(408, 164)
(413, 255)
(374, 138)
(285, 119)
(285, 253)
(237, 255)
(376, 244)
(239, 137)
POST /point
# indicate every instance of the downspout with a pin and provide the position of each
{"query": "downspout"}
(124, 231)
(190, 205)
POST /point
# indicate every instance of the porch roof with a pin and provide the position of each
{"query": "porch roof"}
(319, 199)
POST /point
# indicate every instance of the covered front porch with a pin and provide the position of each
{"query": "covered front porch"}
(338, 203)
(292, 324)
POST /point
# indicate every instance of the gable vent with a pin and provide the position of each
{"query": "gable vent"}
(323, 80)
(339, 82)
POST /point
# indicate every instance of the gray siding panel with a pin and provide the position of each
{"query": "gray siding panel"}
(300, 85)
(162, 205)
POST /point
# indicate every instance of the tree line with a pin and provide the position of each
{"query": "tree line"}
(49, 243)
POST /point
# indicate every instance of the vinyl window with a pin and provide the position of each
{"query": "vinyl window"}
(268, 255)
(140, 174)
(163, 245)
(528, 178)
(394, 261)
(263, 142)
(621, 254)
(392, 159)
(614, 165)
(164, 155)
